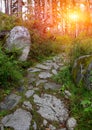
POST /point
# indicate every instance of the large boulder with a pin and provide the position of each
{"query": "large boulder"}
(82, 71)
(19, 37)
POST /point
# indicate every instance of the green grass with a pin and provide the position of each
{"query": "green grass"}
(80, 103)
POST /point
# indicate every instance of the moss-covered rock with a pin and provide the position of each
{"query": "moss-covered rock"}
(82, 70)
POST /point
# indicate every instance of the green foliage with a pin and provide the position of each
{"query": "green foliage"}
(80, 102)
(63, 76)
(6, 22)
(14, 52)
(44, 48)
(10, 72)
(80, 46)
(3, 113)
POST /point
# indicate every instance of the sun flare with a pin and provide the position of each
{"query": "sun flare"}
(74, 16)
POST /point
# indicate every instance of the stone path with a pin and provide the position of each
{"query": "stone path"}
(39, 105)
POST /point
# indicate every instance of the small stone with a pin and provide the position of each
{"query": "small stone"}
(31, 80)
(30, 87)
(51, 85)
(36, 89)
(29, 93)
(21, 89)
(52, 127)
(55, 66)
(43, 67)
(45, 122)
(31, 77)
(71, 123)
(34, 70)
(19, 120)
(27, 105)
(1, 127)
(54, 72)
(45, 75)
(10, 102)
(62, 129)
(35, 126)
(67, 94)
(48, 64)
(40, 81)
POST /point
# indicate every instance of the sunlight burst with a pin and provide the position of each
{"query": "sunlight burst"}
(74, 16)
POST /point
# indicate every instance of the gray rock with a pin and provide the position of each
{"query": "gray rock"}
(19, 37)
(35, 126)
(71, 123)
(43, 67)
(31, 77)
(50, 63)
(45, 75)
(21, 89)
(81, 71)
(30, 87)
(54, 71)
(62, 129)
(31, 80)
(88, 77)
(51, 85)
(19, 120)
(40, 82)
(67, 94)
(55, 66)
(10, 102)
(34, 70)
(45, 122)
(51, 108)
(1, 127)
(36, 89)
(51, 127)
(29, 93)
(27, 105)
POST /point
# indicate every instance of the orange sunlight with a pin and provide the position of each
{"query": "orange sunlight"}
(74, 16)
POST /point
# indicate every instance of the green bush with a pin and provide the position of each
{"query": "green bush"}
(10, 72)
(44, 48)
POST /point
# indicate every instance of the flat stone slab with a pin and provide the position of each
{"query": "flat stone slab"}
(10, 102)
(40, 82)
(54, 71)
(51, 108)
(27, 105)
(45, 75)
(52, 85)
(41, 66)
(19, 120)
(29, 93)
(55, 66)
(31, 77)
(34, 70)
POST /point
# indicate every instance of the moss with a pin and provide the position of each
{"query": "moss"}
(80, 67)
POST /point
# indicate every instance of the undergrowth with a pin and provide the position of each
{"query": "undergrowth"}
(80, 102)
(10, 72)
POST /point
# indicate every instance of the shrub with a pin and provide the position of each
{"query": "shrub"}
(44, 48)
(10, 72)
